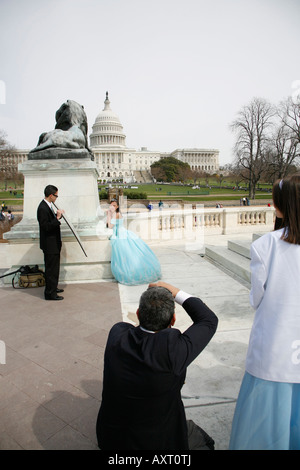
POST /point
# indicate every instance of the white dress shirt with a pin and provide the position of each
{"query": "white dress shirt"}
(274, 346)
(50, 205)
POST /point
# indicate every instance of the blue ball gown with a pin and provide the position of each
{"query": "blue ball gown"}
(267, 416)
(132, 261)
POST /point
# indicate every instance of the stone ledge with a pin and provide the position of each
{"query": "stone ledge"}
(59, 153)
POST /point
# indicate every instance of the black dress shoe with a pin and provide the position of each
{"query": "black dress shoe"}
(58, 297)
(59, 290)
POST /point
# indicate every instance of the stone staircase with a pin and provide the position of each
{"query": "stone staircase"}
(143, 176)
(233, 259)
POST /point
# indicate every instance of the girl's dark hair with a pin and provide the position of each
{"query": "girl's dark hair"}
(116, 200)
(277, 200)
(286, 197)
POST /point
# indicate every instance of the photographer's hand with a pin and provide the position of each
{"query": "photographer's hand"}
(174, 290)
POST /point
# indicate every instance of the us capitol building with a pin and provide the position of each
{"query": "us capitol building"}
(115, 161)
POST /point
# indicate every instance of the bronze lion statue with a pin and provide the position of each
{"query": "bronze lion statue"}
(70, 130)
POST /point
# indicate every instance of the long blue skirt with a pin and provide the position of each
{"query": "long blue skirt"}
(132, 261)
(267, 416)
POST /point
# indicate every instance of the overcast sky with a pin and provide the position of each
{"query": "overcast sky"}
(177, 71)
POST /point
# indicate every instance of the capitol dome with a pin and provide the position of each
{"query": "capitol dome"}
(107, 129)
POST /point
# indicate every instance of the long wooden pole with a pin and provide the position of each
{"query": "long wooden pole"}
(72, 230)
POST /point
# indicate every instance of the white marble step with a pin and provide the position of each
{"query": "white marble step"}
(232, 261)
(240, 247)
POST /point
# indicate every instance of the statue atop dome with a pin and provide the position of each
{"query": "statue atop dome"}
(106, 102)
(107, 130)
(68, 139)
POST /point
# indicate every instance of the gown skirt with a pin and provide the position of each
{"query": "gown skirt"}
(132, 261)
(267, 416)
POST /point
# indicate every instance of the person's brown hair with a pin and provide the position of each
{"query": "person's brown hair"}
(116, 200)
(286, 197)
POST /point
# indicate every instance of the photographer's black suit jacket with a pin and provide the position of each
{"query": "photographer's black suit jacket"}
(143, 374)
(50, 237)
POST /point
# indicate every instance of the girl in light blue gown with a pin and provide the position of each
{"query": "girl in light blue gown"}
(132, 261)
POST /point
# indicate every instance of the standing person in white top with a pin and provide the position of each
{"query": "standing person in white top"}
(267, 414)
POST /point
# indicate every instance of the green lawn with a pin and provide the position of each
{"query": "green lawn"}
(224, 198)
(170, 189)
(167, 191)
(11, 199)
(163, 191)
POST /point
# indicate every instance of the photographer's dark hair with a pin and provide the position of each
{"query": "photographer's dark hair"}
(50, 189)
(156, 308)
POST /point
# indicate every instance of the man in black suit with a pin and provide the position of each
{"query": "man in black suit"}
(144, 371)
(50, 241)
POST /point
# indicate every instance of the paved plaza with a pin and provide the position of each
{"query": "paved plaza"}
(51, 383)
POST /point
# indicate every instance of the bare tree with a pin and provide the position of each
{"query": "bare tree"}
(289, 112)
(251, 127)
(8, 169)
(287, 138)
(197, 174)
(220, 178)
(283, 152)
(158, 173)
(232, 172)
(184, 173)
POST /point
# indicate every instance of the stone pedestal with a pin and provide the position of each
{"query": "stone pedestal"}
(76, 180)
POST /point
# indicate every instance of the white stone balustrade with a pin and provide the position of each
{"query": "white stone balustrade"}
(187, 224)
(190, 223)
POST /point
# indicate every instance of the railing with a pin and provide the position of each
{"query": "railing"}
(192, 223)
(251, 218)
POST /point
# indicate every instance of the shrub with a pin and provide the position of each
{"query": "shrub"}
(103, 195)
(135, 195)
